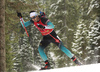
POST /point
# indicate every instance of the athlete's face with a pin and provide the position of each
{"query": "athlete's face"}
(35, 18)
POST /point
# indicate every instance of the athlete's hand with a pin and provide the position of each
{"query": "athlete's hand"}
(40, 26)
(19, 14)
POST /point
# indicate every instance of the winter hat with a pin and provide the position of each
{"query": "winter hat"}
(33, 13)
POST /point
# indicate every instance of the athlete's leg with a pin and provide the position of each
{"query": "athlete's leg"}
(42, 46)
(65, 50)
(60, 45)
(41, 52)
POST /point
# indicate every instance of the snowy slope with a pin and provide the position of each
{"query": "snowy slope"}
(84, 68)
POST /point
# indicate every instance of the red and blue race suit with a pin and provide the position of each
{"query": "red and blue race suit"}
(44, 22)
(48, 36)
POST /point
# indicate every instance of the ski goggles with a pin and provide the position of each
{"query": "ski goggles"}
(34, 17)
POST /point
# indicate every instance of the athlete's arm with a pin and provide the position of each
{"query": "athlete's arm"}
(48, 23)
(25, 23)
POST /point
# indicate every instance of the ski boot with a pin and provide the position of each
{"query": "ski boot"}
(76, 61)
(47, 66)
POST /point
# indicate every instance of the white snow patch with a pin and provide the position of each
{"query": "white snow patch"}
(36, 67)
(83, 68)
(59, 1)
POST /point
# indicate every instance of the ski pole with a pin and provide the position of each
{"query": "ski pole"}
(56, 40)
(24, 27)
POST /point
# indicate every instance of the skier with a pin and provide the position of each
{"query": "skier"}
(46, 28)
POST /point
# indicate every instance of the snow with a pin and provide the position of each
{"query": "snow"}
(52, 5)
(52, 55)
(91, 7)
(83, 68)
(36, 67)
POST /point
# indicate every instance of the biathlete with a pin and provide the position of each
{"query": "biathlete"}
(46, 28)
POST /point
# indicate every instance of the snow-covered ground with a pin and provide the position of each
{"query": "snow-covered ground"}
(83, 68)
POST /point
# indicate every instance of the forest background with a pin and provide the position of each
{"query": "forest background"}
(77, 23)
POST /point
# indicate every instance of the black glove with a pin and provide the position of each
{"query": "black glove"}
(40, 26)
(19, 14)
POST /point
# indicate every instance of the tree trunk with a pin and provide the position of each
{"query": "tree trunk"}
(2, 37)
